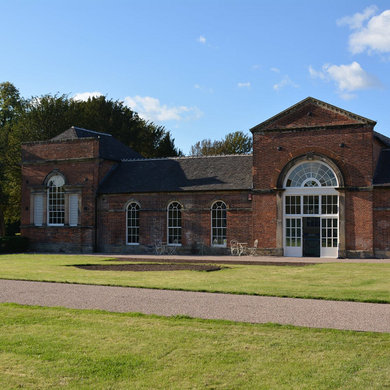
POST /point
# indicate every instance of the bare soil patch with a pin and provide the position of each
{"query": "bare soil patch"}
(150, 267)
(205, 261)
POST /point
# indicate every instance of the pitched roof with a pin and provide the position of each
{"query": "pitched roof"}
(311, 113)
(385, 140)
(233, 172)
(109, 147)
(382, 171)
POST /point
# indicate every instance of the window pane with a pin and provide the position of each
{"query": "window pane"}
(218, 224)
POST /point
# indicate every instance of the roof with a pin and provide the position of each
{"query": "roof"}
(311, 113)
(382, 171)
(109, 147)
(212, 173)
(385, 140)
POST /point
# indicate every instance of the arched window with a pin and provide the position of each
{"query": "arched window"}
(311, 174)
(132, 215)
(218, 224)
(174, 223)
(56, 201)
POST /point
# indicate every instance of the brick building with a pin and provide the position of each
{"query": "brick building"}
(317, 184)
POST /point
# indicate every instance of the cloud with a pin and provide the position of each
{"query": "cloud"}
(372, 36)
(202, 39)
(348, 78)
(244, 85)
(285, 82)
(150, 108)
(84, 96)
(203, 88)
(356, 21)
(275, 70)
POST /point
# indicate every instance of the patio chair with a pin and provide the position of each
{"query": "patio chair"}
(234, 248)
(253, 251)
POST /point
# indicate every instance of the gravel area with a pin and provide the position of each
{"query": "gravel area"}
(254, 309)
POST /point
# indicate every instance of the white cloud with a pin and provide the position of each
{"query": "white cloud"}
(372, 36)
(150, 108)
(84, 96)
(244, 85)
(256, 66)
(356, 21)
(285, 82)
(202, 39)
(275, 70)
(348, 78)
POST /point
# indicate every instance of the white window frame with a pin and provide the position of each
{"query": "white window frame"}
(171, 228)
(59, 194)
(223, 228)
(137, 210)
(310, 191)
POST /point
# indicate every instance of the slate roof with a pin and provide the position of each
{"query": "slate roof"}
(382, 171)
(109, 147)
(385, 140)
(212, 173)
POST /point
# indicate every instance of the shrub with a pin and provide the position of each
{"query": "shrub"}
(13, 244)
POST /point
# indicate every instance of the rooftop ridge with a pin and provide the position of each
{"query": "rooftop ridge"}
(90, 131)
(185, 157)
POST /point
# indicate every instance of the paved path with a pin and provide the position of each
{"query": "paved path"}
(255, 309)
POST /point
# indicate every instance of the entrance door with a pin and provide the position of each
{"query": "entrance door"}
(311, 237)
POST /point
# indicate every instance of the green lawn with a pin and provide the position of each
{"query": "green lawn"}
(43, 348)
(340, 281)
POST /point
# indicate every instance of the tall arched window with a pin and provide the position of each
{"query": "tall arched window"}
(174, 223)
(218, 224)
(132, 216)
(56, 201)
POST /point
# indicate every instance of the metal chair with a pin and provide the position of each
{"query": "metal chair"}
(253, 251)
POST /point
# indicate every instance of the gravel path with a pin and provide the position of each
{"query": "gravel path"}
(255, 309)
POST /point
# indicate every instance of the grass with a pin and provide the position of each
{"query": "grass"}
(339, 281)
(42, 348)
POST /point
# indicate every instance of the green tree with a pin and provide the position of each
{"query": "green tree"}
(233, 143)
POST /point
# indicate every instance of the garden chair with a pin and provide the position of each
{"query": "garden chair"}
(234, 248)
(253, 251)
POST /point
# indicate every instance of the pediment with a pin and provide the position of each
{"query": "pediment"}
(311, 113)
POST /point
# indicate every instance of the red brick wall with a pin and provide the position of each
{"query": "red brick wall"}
(67, 149)
(196, 219)
(354, 159)
(81, 172)
(382, 221)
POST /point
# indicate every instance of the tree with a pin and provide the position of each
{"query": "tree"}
(233, 143)
(11, 107)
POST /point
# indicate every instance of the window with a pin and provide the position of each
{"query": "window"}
(174, 223)
(311, 174)
(310, 204)
(329, 232)
(293, 232)
(329, 204)
(293, 204)
(133, 223)
(218, 224)
(56, 201)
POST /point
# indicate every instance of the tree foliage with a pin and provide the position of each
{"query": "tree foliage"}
(44, 117)
(233, 143)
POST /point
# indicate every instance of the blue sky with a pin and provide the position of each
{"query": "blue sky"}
(203, 68)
